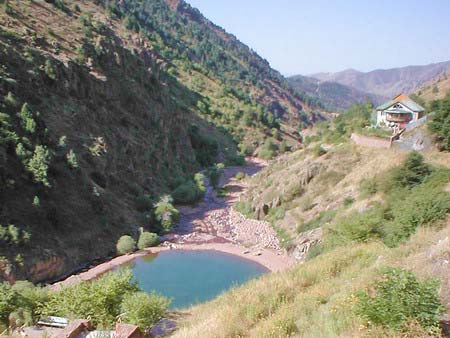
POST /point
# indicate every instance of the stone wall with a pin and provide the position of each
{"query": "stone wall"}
(373, 142)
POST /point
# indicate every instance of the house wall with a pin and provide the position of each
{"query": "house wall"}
(381, 114)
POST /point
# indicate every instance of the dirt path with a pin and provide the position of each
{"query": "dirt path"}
(212, 224)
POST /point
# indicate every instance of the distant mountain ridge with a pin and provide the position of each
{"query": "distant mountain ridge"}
(333, 95)
(388, 82)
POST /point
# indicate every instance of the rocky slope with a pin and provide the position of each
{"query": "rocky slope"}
(388, 82)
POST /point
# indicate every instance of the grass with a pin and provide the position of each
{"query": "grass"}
(316, 299)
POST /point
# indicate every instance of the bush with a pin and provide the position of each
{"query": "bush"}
(99, 300)
(190, 191)
(50, 70)
(214, 174)
(143, 203)
(413, 171)
(166, 213)
(72, 160)
(399, 298)
(318, 150)
(440, 123)
(143, 309)
(38, 164)
(239, 176)
(126, 244)
(245, 209)
(147, 239)
(268, 150)
(368, 187)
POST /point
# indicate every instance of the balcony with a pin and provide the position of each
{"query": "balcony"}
(398, 117)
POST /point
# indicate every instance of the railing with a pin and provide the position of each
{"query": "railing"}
(398, 117)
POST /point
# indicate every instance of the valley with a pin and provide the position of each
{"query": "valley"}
(158, 178)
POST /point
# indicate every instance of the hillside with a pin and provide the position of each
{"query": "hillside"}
(435, 89)
(107, 105)
(388, 82)
(369, 234)
(333, 95)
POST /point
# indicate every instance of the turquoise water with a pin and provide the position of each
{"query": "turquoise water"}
(190, 277)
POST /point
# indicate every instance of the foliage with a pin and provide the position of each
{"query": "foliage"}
(143, 309)
(147, 239)
(214, 173)
(36, 202)
(190, 191)
(38, 164)
(413, 171)
(126, 244)
(72, 160)
(99, 300)
(50, 70)
(244, 208)
(318, 150)
(322, 219)
(399, 298)
(27, 119)
(205, 147)
(440, 122)
(267, 150)
(166, 213)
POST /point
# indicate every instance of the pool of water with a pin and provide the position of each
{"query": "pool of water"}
(190, 277)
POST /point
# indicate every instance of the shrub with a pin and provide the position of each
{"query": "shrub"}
(318, 150)
(38, 164)
(323, 218)
(143, 203)
(239, 176)
(72, 160)
(186, 193)
(245, 209)
(50, 70)
(147, 239)
(399, 298)
(11, 100)
(440, 123)
(26, 119)
(214, 174)
(126, 244)
(166, 213)
(99, 300)
(413, 171)
(268, 150)
(368, 187)
(144, 309)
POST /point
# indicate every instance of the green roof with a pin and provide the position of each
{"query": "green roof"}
(408, 103)
(386, 105)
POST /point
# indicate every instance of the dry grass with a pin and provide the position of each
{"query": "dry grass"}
(316, 299)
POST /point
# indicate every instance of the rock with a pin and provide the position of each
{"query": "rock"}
(246, 252)
(257, 253)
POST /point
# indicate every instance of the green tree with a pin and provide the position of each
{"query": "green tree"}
(166, 213)
(126, 244)
(413, 171)
(72, 159)
(38, 164)
(147, 239)
(440, 122)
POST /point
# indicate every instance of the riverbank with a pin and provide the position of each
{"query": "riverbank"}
(212, 224)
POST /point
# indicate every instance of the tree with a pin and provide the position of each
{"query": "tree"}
(38, 164)
(413, 171)
(440, 122)
(166, 213)
(72, 159)
(126, 244)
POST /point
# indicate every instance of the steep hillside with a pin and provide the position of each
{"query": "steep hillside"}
(435, 89)
(107, 105)
(333, 95)
(388, 82)
(372, 231)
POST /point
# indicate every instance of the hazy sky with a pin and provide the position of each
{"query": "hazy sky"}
(308, 36)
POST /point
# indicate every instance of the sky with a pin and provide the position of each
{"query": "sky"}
(310, 36)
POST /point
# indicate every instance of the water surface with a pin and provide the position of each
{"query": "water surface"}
(190, 277)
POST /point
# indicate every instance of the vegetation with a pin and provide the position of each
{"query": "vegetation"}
(166, 214)
(147, 239)
(440, 122)
(143, 309)
(398, 299)
(126, 244)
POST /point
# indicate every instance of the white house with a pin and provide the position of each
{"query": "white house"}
(399, 112)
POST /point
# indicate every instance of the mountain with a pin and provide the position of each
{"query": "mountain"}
(108, 105)
(388, 82)
(435, 89)
(333, 95)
